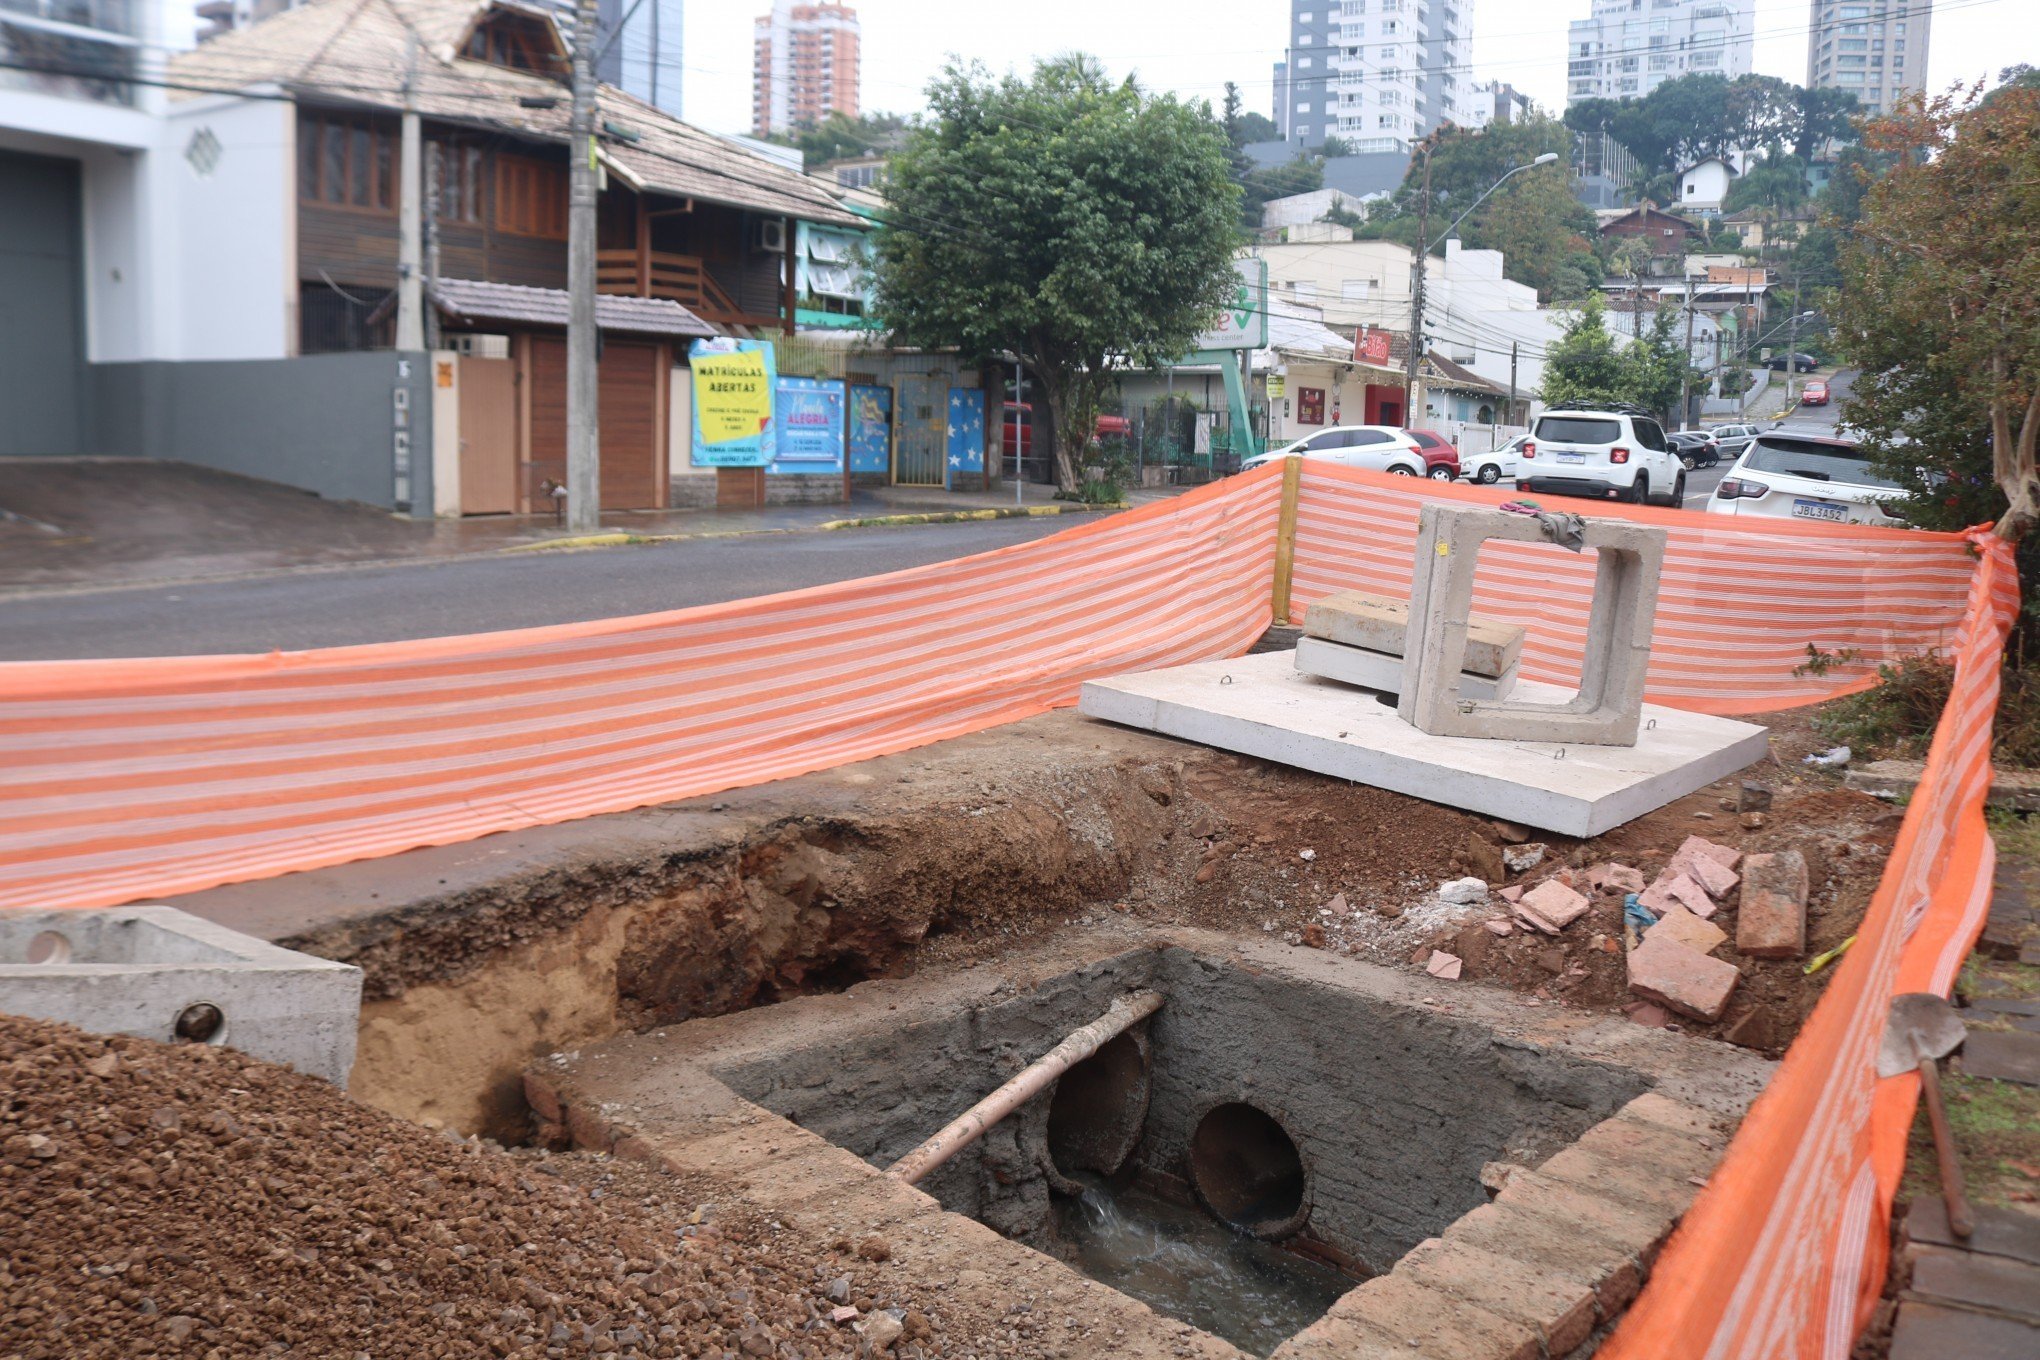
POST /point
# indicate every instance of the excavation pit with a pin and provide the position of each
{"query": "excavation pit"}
(1353, 1156)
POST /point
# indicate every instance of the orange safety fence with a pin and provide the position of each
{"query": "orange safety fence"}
(122, 780)
(1784, 1252)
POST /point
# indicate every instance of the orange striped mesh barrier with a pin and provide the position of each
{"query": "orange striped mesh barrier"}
(122, 780)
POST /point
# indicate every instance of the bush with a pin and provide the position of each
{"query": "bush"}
(1896, 717)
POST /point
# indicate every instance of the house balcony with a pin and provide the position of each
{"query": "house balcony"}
(679, 278)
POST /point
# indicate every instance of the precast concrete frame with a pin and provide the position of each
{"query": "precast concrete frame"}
(1608, 709)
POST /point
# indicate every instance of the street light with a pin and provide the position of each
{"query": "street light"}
(1423, 252)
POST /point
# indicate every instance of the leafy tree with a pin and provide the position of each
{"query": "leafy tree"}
(1544, 233)
(1825, 115)
(1583, 366)
(1335, 146)
(1077, 223)
(837, 137)
(1654, 365)
(1942, 312)
(1774, 187)
(1258, 127)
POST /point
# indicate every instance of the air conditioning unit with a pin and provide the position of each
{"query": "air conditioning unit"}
(480, 346)
(772, 235)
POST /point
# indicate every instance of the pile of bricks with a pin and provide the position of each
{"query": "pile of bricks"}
(1673, 965)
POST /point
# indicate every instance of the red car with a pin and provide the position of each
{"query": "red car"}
(1816, 394)
(1441, 458)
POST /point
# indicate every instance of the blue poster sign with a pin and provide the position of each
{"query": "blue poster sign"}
(966, 432)
(733, 391)
(809, 415)
(870, 428)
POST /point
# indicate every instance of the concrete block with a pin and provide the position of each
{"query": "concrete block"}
(1772, 923)
(136, 970)
(1382, 673)
(2011, 790)
(1260, 706)
(1665, 971)
(1370, 622)
(1607, 710)
(1559, 1307)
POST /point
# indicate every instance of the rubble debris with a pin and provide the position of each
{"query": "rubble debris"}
(1772, 923)
(1711, 874)
(1699, 935)
(1680, 979)
(1483, 858)
(1619, 877)
(1337, 906)
(1699, 847)
(1443, 965)
(1831, 759)
(1648, 1014)
(1521, 859)
(1499, 926)
(1313, 935)
(1494, 1176)
(1755, 1028)
(880, 1330)
(1752, 821)
(1551, 906)
(1512, 893)
(1753, 797)
(1463, 892)
(1677, 889)
(1510, 834)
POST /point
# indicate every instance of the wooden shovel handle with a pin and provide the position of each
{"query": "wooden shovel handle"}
(1960, 1222)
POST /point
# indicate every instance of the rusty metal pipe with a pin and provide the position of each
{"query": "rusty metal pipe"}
(970, 1126)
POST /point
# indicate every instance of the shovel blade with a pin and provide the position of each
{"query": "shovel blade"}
(1921, 1026)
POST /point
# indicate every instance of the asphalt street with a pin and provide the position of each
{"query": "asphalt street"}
(1700, 482)
(333, 607)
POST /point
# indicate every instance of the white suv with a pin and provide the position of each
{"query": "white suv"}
(1608, 455)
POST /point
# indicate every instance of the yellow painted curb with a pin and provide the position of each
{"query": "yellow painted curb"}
(609, 540)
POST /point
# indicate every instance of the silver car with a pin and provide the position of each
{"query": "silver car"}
(1733, 439)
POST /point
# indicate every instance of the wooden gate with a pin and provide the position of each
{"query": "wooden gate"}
(920, 428)
(628, 389)
(488, 437)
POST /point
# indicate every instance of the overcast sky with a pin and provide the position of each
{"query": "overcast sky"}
(1195, 46)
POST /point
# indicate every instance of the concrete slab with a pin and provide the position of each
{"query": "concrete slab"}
(1382, 673)
(1260, 706)
(2002, 1056)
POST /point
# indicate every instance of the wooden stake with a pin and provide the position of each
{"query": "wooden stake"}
(1285, 536)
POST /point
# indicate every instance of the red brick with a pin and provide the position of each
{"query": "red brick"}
(1689, 982)
(1772, 924)
(1552, 906)
(1553, 1242)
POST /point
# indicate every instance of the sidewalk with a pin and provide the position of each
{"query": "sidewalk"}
(83, 524)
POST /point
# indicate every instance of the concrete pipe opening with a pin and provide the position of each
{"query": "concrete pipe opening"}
(1247, 1171)
(1100, 1108)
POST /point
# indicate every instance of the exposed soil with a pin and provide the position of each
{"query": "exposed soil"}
(1327, 864)
(190, 1201)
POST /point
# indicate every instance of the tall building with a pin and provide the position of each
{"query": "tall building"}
(1376, 74)
(645, 59)
(1874, 49)
(803, 66)
(1630, 47)
(1492, 101)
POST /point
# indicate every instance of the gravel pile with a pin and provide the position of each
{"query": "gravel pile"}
(190, 1201)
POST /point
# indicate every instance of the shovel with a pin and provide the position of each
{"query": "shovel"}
(1922, 1028)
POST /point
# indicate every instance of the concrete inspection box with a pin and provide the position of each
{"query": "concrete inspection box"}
(140, 970)
(1260, 706)
(1382, 673)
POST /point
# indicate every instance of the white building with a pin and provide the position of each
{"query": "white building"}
(1377, 74)
(1493, 101)
(1702, 187)
(1627, 48)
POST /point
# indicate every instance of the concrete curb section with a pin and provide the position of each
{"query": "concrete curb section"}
(622, 538)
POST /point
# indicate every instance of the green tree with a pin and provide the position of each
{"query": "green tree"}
(837, 137)
(1544, 233)
(1583, 367)
(1824, 115)
(1301, 174)
(1078, 223)
(1940, 305)
(1775, 187)
(1654, 365)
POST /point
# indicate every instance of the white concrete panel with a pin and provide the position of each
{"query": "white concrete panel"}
(227, 261)
(1261, 706)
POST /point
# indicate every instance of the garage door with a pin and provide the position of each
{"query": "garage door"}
(42, 337)
(633, 464)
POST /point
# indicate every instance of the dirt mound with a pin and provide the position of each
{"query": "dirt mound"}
(190, 1201)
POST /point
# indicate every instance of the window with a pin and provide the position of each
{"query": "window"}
(531, 197)
(346, 161)
(460, 182)
(1304, 40)
(1355, 290)
(1303, 62)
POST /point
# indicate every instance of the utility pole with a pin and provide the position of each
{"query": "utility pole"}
(1792, 355)
(1686, 378)
(584, 472)
(435, 171)
(1512, 381)
(1417, 296)
(410, 274)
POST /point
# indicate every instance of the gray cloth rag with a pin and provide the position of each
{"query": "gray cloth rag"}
(1567, 531)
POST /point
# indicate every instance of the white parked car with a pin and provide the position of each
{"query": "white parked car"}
(1611, 455)
(1496, 466)
(1379, 448)
(1795, 474)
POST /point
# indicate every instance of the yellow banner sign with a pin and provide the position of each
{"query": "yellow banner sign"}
(732, 396)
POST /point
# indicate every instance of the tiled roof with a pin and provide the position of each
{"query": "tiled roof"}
(471, 300)
(1456, 378)
(362, 52)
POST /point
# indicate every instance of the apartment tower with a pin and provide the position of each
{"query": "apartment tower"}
(804, 66)
(1377, 74)
(1874, 49)
(1627, 48)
